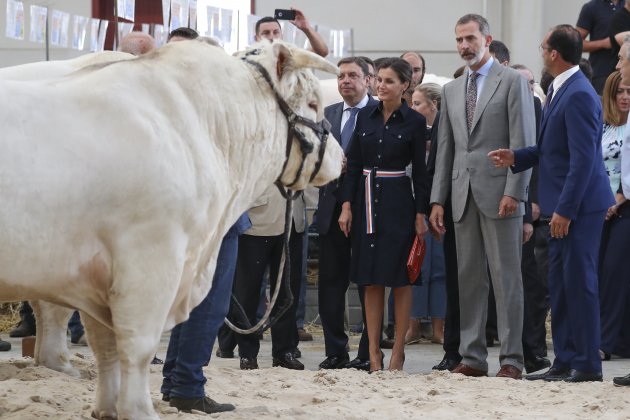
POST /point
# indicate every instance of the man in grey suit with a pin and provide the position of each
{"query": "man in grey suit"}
(489, 105)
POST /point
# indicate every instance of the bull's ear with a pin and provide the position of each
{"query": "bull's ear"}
(290, 57)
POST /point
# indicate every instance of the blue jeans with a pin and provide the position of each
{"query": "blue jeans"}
(75, 326)
(191, 342)
(429, 300)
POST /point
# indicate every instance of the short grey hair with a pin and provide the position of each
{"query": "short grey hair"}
(484, 26)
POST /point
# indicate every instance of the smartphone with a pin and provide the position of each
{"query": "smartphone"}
(284, 14)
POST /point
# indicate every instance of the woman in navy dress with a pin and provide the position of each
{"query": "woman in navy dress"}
(379, 208)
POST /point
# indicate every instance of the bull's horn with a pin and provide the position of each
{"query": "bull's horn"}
(290, 56)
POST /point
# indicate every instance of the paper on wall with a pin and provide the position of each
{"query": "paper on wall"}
(79, 25)
(15, 20)
(39, 16)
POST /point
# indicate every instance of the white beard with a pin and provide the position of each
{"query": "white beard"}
(476, 59)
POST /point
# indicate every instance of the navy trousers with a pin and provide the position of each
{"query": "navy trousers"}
(574, 296)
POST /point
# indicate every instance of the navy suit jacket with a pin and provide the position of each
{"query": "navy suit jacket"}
(573, 178)
(328, 193)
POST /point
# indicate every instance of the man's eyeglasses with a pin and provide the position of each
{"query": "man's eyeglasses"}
(542, 48)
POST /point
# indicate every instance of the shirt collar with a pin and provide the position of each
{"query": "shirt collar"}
(563, 77)
(403, 110)
(485, 69)
(362, 103)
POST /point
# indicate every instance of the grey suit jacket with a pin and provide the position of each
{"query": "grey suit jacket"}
(504, 118)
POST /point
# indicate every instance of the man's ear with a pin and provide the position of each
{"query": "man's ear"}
(488, 40)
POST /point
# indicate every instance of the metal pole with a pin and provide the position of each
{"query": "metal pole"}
(47, 37)
(115, 25)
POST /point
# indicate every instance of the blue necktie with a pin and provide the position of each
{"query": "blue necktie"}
(348, 128)
(548, 99)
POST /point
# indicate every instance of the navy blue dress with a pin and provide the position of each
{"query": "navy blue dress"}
(380, 257)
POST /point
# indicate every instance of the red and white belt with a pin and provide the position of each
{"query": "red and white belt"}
(370, 174)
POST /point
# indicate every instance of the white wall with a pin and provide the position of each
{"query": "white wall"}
(380, 28)
(13, 52)
(391, 27)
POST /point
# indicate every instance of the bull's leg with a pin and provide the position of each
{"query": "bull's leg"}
(102, 341)
(145, 288)
(51, 345)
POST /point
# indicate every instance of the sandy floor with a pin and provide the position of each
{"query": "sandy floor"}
(29, 392)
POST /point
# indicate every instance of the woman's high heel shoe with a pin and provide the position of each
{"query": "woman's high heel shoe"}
(401, 366)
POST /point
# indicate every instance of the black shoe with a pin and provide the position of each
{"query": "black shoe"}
(359, 364)
(577, 376)
(5, 345)
(536, 364)
(23, 329)
(448, 362)
(335, 362)
(249, 363)
(622, 380)
(604, 356)
(389, 331)
(553, 374)
(166, 397)
(387, 343)
(225, 354)
(297, 353)
(157, 361)
(287, 361)
(205, 404)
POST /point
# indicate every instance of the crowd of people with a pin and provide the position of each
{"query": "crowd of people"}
(518, 189)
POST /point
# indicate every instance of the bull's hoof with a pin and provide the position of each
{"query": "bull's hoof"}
(104, 415)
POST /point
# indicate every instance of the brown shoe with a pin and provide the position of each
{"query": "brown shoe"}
(509, 371)
(303, 335)
(468, 371)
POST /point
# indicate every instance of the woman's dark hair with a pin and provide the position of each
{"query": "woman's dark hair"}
(400, 67)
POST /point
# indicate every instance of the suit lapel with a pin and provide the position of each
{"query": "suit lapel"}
(457, 92)
(556, 99)
(489, 87)
(336, 122)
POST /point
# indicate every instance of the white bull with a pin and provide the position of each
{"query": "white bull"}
(119, 181)
(51, 347)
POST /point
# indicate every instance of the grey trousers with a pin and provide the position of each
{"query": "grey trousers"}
(484, 242)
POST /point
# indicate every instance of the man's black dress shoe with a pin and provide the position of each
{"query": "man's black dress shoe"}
(622, 380)
(577, 376)
(23, 329)
(249, 363)
(536, 364)
(5, 345)
(288, 361)
(225, 354)
(448, 362)
(335, 362)
(205, 404)
(359, 364)
(297, 353)
(553, 374)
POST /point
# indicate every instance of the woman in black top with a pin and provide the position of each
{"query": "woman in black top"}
(379, 207)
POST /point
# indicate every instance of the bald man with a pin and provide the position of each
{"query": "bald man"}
(137, 43)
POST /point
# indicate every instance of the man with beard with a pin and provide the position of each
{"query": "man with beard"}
(491, 105)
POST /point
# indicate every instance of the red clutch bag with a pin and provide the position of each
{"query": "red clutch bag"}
(414, 261)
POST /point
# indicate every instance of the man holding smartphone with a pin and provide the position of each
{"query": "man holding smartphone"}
(269, 28)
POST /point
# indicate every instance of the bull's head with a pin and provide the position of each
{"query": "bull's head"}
(312, 157)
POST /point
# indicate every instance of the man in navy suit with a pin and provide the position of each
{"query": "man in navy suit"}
(334, 247)
(574, 195)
